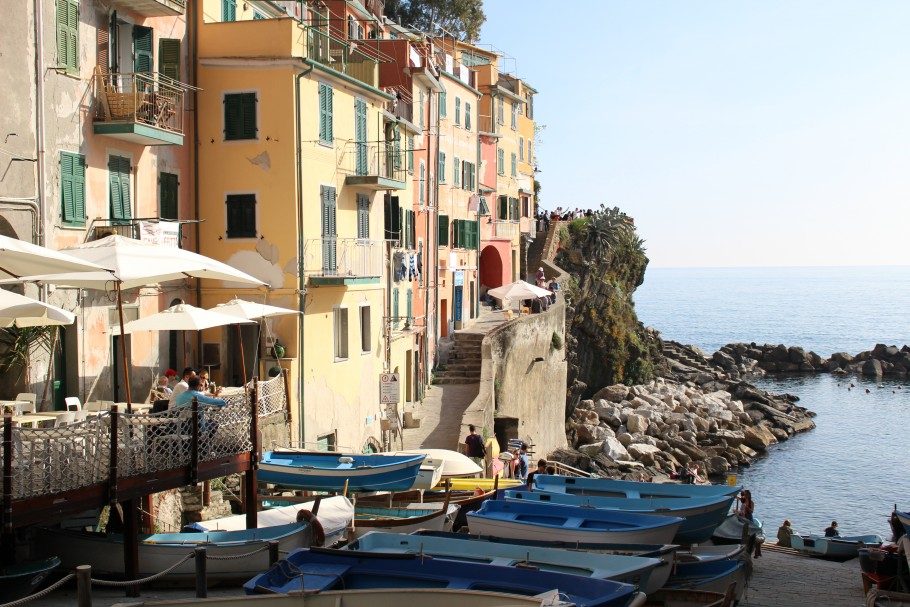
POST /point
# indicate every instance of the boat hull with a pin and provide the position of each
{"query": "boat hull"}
(904, 518)
(105, 553)
(833, 548)
(327, 472)
(711, 576)
(608, 487)
(436, 519)
(20, 581)
(731, 530)
(701, 516)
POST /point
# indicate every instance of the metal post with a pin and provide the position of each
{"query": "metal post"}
(131, 544)
(250, 482)
(8, 540)
(194, 443)
(201, 582)
(112, 468)
(84, 586)
(286, 375)
(273, 552)
(123, 356)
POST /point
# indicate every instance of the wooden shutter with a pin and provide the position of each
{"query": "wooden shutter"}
(514, 165)
(412, 230)
(142, 49)
(169, 57)
(441, 169)
(66, 186)
(118, 168)
(422, 183)
(327, 107)
(409, 306)
(360, 135)
(456, 172)
(521, 148)
(467, 116)
(395, 307)
(68, 35)
(363, 216)
(228, 10)
(411, 154)
(514, 211)
(442, 235)
(240, 116)
(457, 110)
(168, 196)
(442, 104)
(329, 230)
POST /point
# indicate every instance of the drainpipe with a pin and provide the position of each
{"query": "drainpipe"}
(301, 298)
(476, 297)
(192, 35)
(425, 355)
(436, 237)
(39, 116)
(28, 204)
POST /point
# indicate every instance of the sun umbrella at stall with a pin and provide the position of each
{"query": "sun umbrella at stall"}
(19, 258)
(518, 290)
(183, 317)
(21, 311)
(134, 263)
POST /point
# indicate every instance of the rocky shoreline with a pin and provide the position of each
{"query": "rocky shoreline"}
(750, 360)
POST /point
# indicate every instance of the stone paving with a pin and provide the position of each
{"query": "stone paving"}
(783, 578)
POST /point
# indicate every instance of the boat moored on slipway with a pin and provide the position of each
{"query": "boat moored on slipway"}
(608, 487)
(834, 548)
(619, 568)
(328, 471)
(701, 516)
(534, 521)
(710, 576)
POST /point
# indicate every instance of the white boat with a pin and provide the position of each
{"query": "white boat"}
(422, 597)
(413, 517)
(835, 548)
(430, 473)
(454, 464)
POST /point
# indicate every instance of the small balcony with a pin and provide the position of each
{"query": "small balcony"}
(374, 166)
(342, 261)
(157, 230)
(401, 109)
(504, 230)
(486, 125)
(342, 57)
(146, 109)
(151, 8)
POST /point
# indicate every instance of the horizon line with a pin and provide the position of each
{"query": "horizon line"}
(779, 267)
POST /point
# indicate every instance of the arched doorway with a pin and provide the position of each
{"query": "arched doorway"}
(490, 267)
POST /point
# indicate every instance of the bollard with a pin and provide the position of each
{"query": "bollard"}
(201, 583)
(273, 552)
(84, 586)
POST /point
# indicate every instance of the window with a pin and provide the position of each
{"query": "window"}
(228, 10)
(392, 218)
(169, 57)
(458, 111)
(363, 216)
(530, 157)
(240, 116)
(409, 307)
(142, 49)
(456, 172)
(329, 230)
(241, 216)
(341, 333)
(464, 234)
(420, 107)
(514, 165)
(396, 145)
(467, 175)
(168, 187)
(395, 308)
(443, 231)
(326, 127)
(366, 344)
(500, 161)
(467, 116)
(514, 209)
(360, 136)
(443, 110)
(422, 182)
(441, 169)
(411, 154)
(514, 115)
(521, 149)
(257, 16)
(72, 184)
(118, 169)
(500, 111)
(68, 35)
(503, 208)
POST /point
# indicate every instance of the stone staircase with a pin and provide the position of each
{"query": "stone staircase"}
(464, 360)
(535, 255)
(685, 361)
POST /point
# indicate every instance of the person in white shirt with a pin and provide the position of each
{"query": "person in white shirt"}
(182, 385)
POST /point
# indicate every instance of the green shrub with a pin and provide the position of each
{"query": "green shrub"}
(556, 341)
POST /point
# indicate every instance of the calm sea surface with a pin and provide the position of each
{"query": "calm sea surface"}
(852, 467)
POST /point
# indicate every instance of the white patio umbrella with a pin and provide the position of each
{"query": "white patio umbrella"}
(134, 263)
(183, 317)
(517, 291)
(19, 258)
(250, 310)
(24, 311)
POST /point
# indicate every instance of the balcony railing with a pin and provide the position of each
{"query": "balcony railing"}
(486, 124)
(150, 100)
(376, 165)
(341, 260)
(400, 108)
(341, 57)
(152, 8)
(150, 229)
(505, 229)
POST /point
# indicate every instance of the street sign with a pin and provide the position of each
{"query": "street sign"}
(389, 388)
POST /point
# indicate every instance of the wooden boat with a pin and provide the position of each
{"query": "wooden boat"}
(879, 563)
(904, 519)
(482, 484)
(327, 471)
(430, 474)
(701, 516)
(159, 551)
(687, 598)
(467, 501)
(628, 569)
(382, 597)
(608, 487)
(884, 598)
(732, 530)
(321, 569)
(330, 516)
(454, 464)
(527, 520)
(834, 548)
(436, 517)
(711, 576)
(704, 554)
(24, 579)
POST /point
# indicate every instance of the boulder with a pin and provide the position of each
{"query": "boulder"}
(872, 368)
(748, 452)
(716, 466)
(637, 423)
(643, 453)
(734, 438)
(842, 359)
(758, 438)
(615, 450)
(624, 438)
(592, 449)
(614, 394)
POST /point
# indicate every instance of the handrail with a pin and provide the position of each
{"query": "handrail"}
(567, 470)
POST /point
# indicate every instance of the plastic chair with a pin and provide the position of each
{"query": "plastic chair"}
(29, 396)
(79, 416)
(28, 407)
(92, 406)
(72, 403)
(65, 419)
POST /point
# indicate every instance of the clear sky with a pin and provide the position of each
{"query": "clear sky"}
(745, 132)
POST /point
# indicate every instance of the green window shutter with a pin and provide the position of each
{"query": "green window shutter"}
(118, 168)
(467, 116)
(475, 229)
(240, 116)
(326, 118)
(441, 169)
(360, 136)
(409, 310)
(329, 230)
(363, 216)
(500, 161)
(142, 49)
(458, 110)
(412, 230)
(456, 172)
(411, 154)
(443, 110)
(514, 165)
(521, 148)
(78, 178)
(397, 150)
(442, 231)
(503, 208)
(422, 182)
(168, 196)
(241, 215)
(395, 307)
(228, 10)
(169, 57)
(72, 186)
(68, 35)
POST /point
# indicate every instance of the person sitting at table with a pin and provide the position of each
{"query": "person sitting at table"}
(186, 397)
(182, 386)
(207, 384)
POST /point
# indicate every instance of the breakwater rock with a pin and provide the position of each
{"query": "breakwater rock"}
(659, 427)
(745, 360)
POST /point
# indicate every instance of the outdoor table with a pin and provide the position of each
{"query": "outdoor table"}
(13, 406)
(137, 407)
(32, 420)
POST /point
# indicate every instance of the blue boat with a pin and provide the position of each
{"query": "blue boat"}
(841, 548)
(21, 580)
(314, 570)
(635, 570)
(710, 576)
(326, 471)
(904, 519)
(608, 487)
(534, 521)
(701, 516)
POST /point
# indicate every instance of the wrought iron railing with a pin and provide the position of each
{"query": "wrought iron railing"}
(140, 228)
(151, 99)
(341, 56)
(400, 108)
(371, 158)
(342, 257)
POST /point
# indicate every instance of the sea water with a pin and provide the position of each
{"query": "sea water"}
(853, 467)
